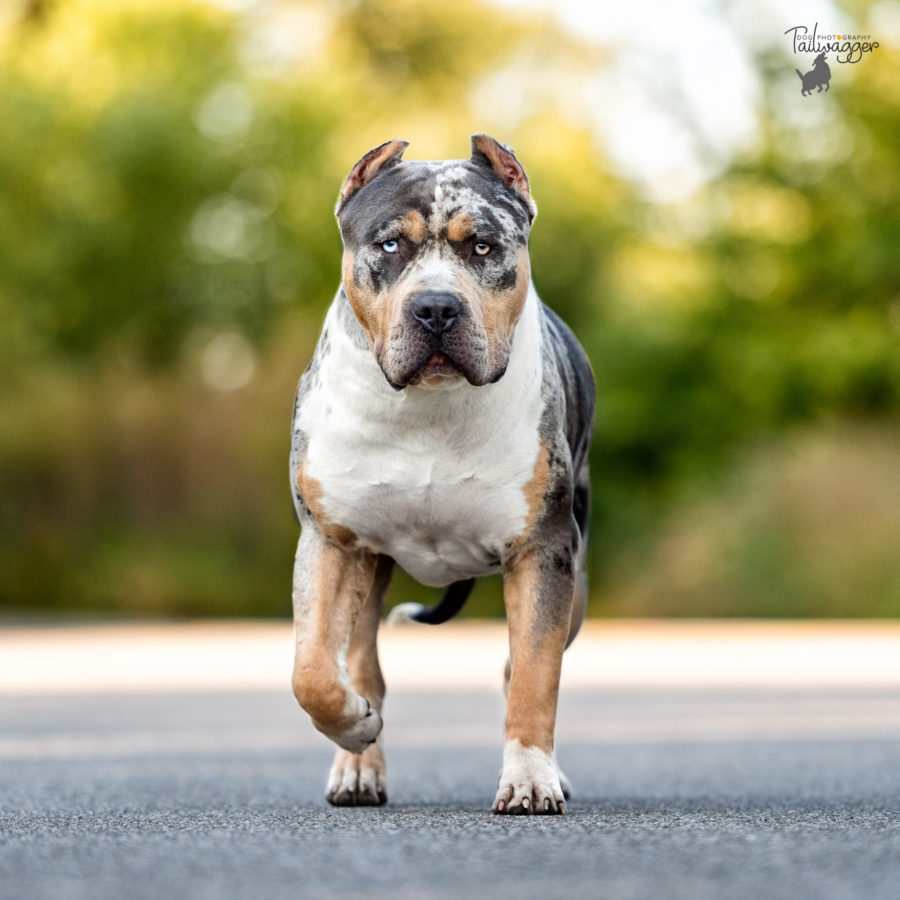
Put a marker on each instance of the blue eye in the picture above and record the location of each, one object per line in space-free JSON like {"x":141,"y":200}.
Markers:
{"x":390,"y":246}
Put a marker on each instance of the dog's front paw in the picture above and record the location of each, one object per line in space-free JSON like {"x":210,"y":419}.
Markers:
{"x":564,"y":782}
{"x":362,"y":732}
{"x":358,"y":779}
{"x":529,"y":783}
{"x":357,"y":728}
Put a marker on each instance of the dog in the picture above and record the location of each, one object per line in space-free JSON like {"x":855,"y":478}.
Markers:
{"x":817,"y":76}
{"x":443,"y":424}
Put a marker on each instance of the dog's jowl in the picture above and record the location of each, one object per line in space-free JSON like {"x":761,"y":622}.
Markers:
{"x":443,"y":424}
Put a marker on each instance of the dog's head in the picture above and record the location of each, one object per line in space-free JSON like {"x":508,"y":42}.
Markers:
{"x":436,"y":260}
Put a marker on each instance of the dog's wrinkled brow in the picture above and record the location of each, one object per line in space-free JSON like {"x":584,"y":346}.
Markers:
{"x":437,"y":192}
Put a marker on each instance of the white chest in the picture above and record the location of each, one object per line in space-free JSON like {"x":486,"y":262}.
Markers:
{"x":433,"y":477}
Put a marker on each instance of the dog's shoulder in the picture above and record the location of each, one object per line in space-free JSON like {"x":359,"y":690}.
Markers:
{"x":569,"y":380}
{"x":341,"y":332}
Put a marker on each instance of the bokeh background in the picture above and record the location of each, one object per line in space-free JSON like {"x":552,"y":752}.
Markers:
{"x":727,"y":250}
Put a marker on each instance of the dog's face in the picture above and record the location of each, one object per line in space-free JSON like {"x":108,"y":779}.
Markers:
{"x":436,"y":260}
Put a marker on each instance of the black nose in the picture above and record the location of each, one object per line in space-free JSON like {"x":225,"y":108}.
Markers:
{"x":436,"y":310}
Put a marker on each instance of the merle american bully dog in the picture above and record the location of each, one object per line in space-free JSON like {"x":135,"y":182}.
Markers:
{"x":443,"y":424}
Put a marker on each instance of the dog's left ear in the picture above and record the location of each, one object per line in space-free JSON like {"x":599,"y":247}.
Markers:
{"x":388,"y":154}
{"x":494,"y":155}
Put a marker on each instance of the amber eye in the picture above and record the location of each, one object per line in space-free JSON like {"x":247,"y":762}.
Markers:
{"x":482,"y":249}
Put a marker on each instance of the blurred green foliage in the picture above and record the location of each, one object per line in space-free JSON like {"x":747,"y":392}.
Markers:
{"x":167,"y":250}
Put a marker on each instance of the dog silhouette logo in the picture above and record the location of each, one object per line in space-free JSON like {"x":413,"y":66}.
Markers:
{"x":818,"y":76}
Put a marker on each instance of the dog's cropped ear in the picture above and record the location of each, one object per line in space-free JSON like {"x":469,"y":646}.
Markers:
{"x":493,"y":155}
{"x":388,"y":154}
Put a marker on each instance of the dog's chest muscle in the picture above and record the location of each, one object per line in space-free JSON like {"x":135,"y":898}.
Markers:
{"x":436,"y":480}
{"x":441,"y":513}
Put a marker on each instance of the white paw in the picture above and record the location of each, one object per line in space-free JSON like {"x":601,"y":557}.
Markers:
{"x":358,"y":779}
{"x":529,"y":783}
{"x":564,"y":782}
{"x":364,"y":726}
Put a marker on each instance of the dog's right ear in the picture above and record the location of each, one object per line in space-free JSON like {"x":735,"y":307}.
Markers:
{"x":388,"y":154}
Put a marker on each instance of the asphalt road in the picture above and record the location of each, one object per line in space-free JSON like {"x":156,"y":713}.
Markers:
{"x":679,"y":793}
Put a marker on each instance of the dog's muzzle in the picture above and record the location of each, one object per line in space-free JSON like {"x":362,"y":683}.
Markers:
{"x":439,"y":338}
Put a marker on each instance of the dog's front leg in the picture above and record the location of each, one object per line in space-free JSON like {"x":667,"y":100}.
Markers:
{"x":360,"y":780}
{"x":538,"y":591}
{"x":331,"y":584}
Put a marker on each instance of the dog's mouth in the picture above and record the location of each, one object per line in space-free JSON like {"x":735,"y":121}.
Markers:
{"x":438,"y":365}
{"x":434,"y":369}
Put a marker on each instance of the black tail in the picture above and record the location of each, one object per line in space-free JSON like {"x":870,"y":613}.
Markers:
{"x":449,"y":605}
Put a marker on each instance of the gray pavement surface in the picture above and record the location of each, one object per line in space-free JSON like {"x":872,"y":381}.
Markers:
{"x":687,"y":793}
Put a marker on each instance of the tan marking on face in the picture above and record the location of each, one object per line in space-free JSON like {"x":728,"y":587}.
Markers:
{"x":311,"y":492}
{"x":375,"y":312}
{"x":534,"y":677}
{"x":502,"y":313}
{"x":412,"y":226}
{"x":460,"y":227}
{"x":498,"y":313}
{"x":361,"y":300}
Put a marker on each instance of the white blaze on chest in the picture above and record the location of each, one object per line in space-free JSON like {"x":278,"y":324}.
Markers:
{"x":434,"y":477}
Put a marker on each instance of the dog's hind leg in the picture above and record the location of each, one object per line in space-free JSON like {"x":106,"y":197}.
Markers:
{"x":360,"y":779}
